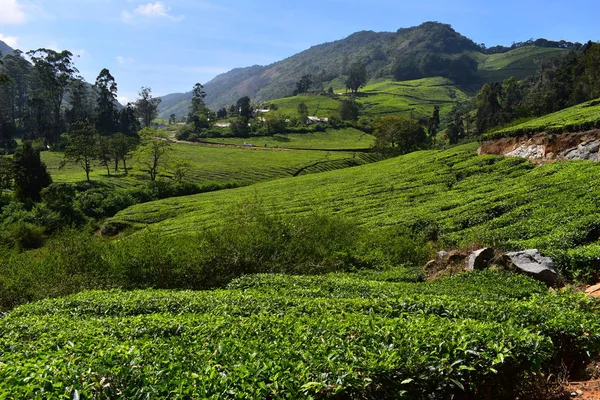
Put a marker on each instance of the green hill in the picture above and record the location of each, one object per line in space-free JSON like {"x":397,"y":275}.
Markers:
{"x":452,"y":195}
{"x":579,"y":118}
{"x":416,"y":98}
{"x":428,"y":50}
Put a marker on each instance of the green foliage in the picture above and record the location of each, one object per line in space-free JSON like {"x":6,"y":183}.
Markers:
{"x":146,"y":107}
{"x":294,"y":337}
{"x":30,"y":174}
{"x":579,"y":118}
{"x":399,"y":135}
{"x":452,"y":195}
{"x":357,"y":76}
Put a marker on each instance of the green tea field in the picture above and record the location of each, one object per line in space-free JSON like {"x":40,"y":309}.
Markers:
{"x":453,"y":196}
{"x":416,"y":98}
{"x":277,"y":336}
{"x":579,"y":118}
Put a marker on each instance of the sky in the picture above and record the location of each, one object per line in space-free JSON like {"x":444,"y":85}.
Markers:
{"x":169,"y":45}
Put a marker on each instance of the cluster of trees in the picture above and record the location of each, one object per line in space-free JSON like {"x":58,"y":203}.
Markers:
{"x":560,"y":82}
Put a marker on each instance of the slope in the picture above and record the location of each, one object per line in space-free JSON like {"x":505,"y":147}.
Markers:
{"x":5,"y":49}
{"x":453,"y":196}
{"x":427,"y":50}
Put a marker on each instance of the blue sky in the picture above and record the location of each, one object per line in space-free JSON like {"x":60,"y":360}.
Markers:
{"x":171,"y":44}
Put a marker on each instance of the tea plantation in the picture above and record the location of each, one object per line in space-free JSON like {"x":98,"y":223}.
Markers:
{"x":280,"y":336}
{"x":579,"y":118}
{"x":450,"y":196}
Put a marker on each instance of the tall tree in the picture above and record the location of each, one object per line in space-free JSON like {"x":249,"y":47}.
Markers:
{"x":357,"y":76}
{"x":244,"y":108}
{"x":147,"y":106}
{"x":433,"y":125}
{"x":30,"y":174}
{"x":53,"y":72}
{"x":106,"y":98}
{"x":489,"y":110}
{"x":80,"y":110}
{"x":83,"y":149}
{"x":129,"y":124}
{"x":197,"y":105}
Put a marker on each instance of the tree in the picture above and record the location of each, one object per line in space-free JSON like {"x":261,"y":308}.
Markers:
{"x":172,"y":119}
{"x":129,"y":124}
{"x":399,"y":135}
{"x":304,"y":84}
{"x":121,"y":147}
{"x":147,"y":107}
{"x":83,"y":149}
{"x":302,"y":113}
{"x":349,"y":110}
{"x":80,"y":100}
{"x":357,"y":76}
{"x":6,"y":173}
{"x":53,"y":72}
{"x":222,"y":113}
{"x":489,"y":111}
{"x":455,"y":129}
{"x":433,"y":125}
{"x":107,"y":114}
{"x":244,"y":107}
{"x":30,"y":174}
{"x":197,"y":105}
{"x":153,"y":151}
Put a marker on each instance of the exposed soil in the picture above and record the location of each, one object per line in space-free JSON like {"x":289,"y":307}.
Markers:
{"x":552,"y":145}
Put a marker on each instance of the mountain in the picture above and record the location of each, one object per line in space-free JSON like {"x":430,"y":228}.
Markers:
{"x":5,"y":49}
{"x":428,"y":50}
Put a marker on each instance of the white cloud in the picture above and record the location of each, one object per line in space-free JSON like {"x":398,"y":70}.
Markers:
{"x":123,"y":99}
{"x":12,"y":12}
{"x":12,"y":41}
{"x":124,"y":60}
{"x":150,"y":10}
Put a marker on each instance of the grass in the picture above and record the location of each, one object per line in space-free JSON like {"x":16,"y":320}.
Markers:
{"x":453,"y":196}
{"x":277,"y":336}
{"x":224,"y":164}
{"x":519,"y":62}
{"x":410,"y":98}
{"x":332,"y":139}
{"x":579,"y":118}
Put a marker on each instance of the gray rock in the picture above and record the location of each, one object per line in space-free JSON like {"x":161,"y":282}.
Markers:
{"x":480,"y":259}
{"x":441,"y":255}
{"x":532,"y":263}
{"x":528,"y":151}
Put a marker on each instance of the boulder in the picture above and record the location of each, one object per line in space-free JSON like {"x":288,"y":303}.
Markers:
{"x":441,"y":255}
{"x":456,"y":257}
{"x":532,"y":263}
{"x":480,"y":259}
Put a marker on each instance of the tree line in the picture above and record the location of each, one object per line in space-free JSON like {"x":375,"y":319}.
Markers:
{"x":560,"y":82}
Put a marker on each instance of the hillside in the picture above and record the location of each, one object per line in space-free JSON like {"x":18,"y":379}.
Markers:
{"x":431,"y":49}
{"x":416,"y":98}
{"x":453,"y":196}
{"x":579,"y":118}
{"x":4,"y":48}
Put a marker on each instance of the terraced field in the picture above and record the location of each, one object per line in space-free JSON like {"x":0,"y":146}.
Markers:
{"x":224,"y":164}
{"x":278,"y":336}
{"x":519,"y":62}
{"x":579,"y":118}
{"x":416,"y":98}
{"x":333,"y":139}
{"x":453,"y":196}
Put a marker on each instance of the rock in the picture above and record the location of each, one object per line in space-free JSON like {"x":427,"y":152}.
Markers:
{"x":532,"y":263}
{"x":593,"y":290}
{"x":431,"y":264}
{"x":480,"y":259}
{"x":441,"y":255}
{"x":528,"y":151}
{"x":456,"y":256}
